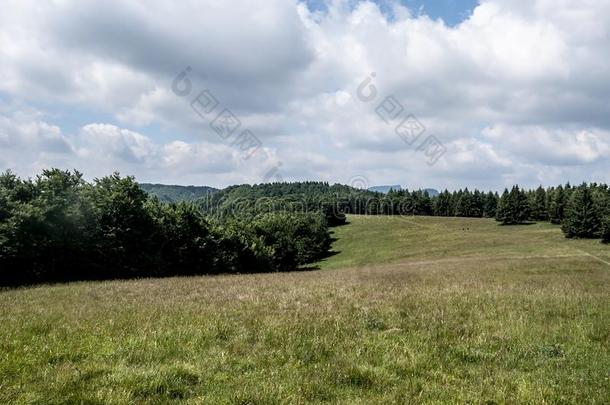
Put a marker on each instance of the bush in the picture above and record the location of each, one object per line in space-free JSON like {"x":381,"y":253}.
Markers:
{"x":294,"y":239}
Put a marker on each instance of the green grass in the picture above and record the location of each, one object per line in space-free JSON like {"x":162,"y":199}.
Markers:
{"x":410,"y":310}
{"x":392,"y":239}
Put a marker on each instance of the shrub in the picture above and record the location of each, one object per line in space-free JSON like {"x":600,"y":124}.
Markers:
{"x":295,"y":239}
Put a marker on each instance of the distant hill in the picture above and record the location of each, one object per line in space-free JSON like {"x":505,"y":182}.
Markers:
{"x":174,"y":193}
{"x":171,"y":193}
{"x":385,"y":189}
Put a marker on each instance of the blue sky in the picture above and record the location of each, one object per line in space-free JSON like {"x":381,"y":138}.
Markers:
{"x":508,"y":91}
{"x":452,"y":12}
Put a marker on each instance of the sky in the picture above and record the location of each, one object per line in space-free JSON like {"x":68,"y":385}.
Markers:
{"x":439,"y":94}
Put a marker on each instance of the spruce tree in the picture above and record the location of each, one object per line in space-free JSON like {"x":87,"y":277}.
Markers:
{"x":478,"y":204}
{"x":463,"y":207}
{"x":550,"y":192}
{"x":502,"y":210}
{"x":490,"y":205}
{"x":582,"y":216}
{"x":606,"y":230}
{"x":425,"y":203}
{"x":514,"y":207}
{"x":557,"y":205}
{"x":520,"y":207}
{"x":442,"y":205}
{"x":539,"y":207}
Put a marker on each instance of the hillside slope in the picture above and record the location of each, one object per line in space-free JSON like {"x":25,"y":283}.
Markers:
{"x":173,"y":193}
{"x":408,"y":310}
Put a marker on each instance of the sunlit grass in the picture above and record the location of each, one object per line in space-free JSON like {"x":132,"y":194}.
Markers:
{"x":409,"y":310}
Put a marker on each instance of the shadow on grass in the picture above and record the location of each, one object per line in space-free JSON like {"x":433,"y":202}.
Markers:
{"x":338,"y":225}
{"x":322,"y":259}
{"x":11,"y":285}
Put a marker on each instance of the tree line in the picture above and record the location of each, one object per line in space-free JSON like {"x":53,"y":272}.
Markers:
{"x":59,"y":227}
{"x":582,"y":211}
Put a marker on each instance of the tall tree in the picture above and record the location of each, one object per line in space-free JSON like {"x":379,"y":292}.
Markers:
{"x":557,"y":205}
{"x":582,"y":215}
{"x":521,"y":207}
{"x":478,"y":204}
{"x":606,"y":230}
{"x":442,"y":205}
{"x":514,"y":207}
{"x":539,"y":207}
{"x":463,"y":207}
{"x":490,"y":205}
{"x":503,"y":209}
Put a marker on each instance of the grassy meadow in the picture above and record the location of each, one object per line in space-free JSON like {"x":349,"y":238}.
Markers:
{"x":407,"y":310}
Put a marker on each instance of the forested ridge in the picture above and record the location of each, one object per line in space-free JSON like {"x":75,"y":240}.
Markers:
{"x":175,"y":193}
{"x":60,"y":227}
{"x":582,"y":211}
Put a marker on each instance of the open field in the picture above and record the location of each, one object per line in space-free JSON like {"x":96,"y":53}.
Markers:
{"x":408,"y":310}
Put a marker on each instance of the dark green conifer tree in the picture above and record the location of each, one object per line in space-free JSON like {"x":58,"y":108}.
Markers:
{"x":502,"y":211}
{"x":557,"y":205}
{"x":539,"y":207}
{"x":490,"y":205}
{"x":463,"y":207}
{"x":606,"y":230}
{"x":582,"y":216}
{"x":442,"y":205}
{"x":514,"y":207}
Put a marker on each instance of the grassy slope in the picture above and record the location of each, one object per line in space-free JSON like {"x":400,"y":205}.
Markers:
{"x":392,"y":239}
{"x":424,"y":309}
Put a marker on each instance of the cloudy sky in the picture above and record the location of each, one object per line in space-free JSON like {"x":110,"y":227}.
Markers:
{"x":439,"y":94}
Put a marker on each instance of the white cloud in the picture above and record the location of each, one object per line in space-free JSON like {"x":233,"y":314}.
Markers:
{"x":517,"y":92}
{"x":553,"y":147}
{"x":108,"y":141}
{"x":29,"y":143}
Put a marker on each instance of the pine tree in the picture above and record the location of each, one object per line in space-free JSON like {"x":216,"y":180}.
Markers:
{"x":514,"y":207}
{"x":478,"y":204}
{"x":606,"y":230}
{"x":582,"y":216}
{"x":490,"y":205}
{"x":557,"y":205}
{"x":502,"y":210}
{"x":550,"y":192}
{"x":539,"y":207}
{"x":520,"y":207}
{"x":463,"y":207}
{"x":425,"y":204}
{"x":442,"y":205}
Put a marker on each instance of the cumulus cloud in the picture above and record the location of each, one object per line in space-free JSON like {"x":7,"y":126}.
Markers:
{"x":517,"y":92}
{"x":553,"y":147}
{"x":133,"y":153}
{"x":28,"y":143}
